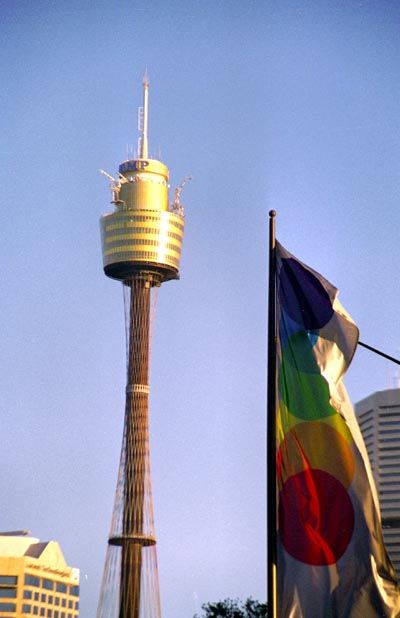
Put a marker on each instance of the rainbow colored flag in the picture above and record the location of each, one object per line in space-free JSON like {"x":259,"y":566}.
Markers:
{"x":331,"y":559}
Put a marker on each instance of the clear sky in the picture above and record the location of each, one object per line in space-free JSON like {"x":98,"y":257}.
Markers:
{"x":285,"y":104}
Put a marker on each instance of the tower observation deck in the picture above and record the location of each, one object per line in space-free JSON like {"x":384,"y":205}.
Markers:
{"x":141,"y":245}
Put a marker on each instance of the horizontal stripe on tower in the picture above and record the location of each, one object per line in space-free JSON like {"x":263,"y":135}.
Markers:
{"x":131,"y":256}
{"x":145,"y":242}
{"x":133,"y":220}
{"x":144,"y":231}
{"x":140,"y":248}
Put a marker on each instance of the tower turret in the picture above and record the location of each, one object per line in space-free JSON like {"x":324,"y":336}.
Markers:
{"x":144,"y":231}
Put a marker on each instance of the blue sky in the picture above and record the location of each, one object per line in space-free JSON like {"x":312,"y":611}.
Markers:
{"x":288,"y":105}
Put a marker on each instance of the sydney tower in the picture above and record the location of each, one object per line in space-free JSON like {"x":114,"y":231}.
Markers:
{"x":141,"y":244}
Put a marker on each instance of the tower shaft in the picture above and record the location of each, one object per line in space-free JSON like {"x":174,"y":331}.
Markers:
{"x":137,"y":501}
{"x":130,"y":586}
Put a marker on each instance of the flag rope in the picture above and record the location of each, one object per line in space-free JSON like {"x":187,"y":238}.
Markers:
{"x":379,"y":352}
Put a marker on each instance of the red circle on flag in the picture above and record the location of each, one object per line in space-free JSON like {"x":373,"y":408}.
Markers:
{"x":316,"y":517}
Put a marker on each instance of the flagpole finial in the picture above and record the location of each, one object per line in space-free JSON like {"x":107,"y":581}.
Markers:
{"x":272,"y":213}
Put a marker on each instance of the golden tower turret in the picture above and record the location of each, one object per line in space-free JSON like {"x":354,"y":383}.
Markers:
{"x":144,"y":231}
{"x":141,"y":244}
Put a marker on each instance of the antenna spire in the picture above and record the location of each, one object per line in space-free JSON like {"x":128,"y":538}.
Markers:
{"x":143,"y":146}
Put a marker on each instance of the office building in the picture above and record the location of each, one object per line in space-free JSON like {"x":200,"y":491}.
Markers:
{"x":35,"y":579}
{"x":379,"y":419}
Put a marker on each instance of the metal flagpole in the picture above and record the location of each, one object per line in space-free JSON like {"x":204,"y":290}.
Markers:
{"x":271,"y":422}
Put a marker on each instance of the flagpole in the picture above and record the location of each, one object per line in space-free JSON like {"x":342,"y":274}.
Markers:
{"x":271,"y":423}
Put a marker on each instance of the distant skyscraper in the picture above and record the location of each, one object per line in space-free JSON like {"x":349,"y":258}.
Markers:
{"x":35,"y":580}
{"x":379,"y":420}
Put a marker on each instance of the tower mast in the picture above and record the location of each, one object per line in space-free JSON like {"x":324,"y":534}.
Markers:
{"x":141,"y":242}
{"x":143,"y":149}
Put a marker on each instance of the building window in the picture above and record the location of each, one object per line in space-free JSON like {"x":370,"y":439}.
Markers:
{"x":60,"y":587}
{"x":31,"y":580}
{"x":42,"y":611}
{"x":8,"y":607}
{"x":26,"y":608}
{"x":75,"y":591}
{"x":48,"y":584}
{"x":50,"y":599}
{"x":8,"y":580}
{"x":49,"y":613}
{"x":35,"y":610}
{"x":36,"y":596}
{"x":27,"y":594}
{"x":10,"y":593}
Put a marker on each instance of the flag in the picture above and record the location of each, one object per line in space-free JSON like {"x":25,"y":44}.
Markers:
{"x":331,"y":559}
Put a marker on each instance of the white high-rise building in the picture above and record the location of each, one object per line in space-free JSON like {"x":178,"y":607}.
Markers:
{"x":379,"y":419}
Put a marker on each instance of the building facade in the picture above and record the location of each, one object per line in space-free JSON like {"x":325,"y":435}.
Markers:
{"x":379,"y":419}
{"x":35,"y":579}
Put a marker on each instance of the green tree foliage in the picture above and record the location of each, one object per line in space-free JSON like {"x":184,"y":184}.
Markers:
{"x":234,"y":608}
